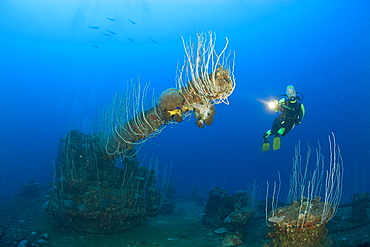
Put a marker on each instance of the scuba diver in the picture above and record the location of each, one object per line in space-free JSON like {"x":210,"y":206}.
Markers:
{"x":291,"y":114}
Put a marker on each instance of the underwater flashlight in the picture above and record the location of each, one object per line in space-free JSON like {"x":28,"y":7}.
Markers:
{"x":273,"y":104}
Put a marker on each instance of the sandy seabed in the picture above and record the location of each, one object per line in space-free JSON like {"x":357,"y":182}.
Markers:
{"x":24,"y":219}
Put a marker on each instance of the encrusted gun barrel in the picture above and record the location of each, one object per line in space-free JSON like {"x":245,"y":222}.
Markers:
{"x":205,"y":79}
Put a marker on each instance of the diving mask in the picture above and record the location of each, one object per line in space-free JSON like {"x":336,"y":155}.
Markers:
{"x":291,"y":93}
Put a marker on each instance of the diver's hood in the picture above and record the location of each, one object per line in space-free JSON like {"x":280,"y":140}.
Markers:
{"x":291,"y":93}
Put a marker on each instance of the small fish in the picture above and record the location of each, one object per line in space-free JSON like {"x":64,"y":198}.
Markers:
{"x":111,"y":32}
{"x":106,"y":34}
{"x":132,"y":21}
{"x":95,"y":46}
{"x":153,"y":40}
{"x":130,"y":39}
{"x":111,"y":19}
{"x":93,"y":27}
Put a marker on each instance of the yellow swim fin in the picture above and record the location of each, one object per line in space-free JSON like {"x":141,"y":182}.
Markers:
{"x":265,"y":145}
{"x":276,"y":143}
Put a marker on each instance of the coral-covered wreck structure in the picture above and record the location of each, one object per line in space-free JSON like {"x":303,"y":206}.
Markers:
{"x":99,"y":186}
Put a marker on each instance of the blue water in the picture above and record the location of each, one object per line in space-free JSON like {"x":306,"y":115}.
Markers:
{"x":55,"y":73}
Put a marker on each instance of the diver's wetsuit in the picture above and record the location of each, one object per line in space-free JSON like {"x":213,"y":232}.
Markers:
{"x":290,"y":114}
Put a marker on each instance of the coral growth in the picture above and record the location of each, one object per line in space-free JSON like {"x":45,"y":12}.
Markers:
{"x":233,"y":212}
{"x":204,"y":114}
{"x":232,"y":240}
{"x":91,"y":194}
{"x":300,"y":224}
{"x":170,"y":100}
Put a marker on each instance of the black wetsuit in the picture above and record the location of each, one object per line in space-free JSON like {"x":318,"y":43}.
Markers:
{"x":290,"y":115}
